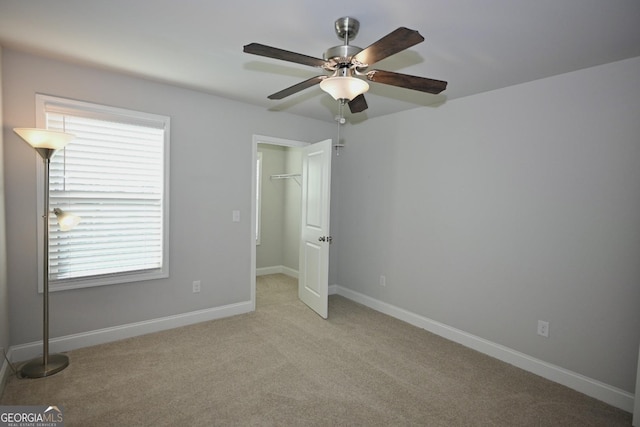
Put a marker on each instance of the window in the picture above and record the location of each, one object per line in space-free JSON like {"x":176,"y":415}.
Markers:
{"x":115,"y":175}
{"x":258,"y":195}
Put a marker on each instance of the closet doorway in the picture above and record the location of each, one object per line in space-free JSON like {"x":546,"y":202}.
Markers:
{"x":276,"y":207}
{"x":299,"y":217}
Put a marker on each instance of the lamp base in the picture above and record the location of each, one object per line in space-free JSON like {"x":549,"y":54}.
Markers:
{"x":37,"y":369}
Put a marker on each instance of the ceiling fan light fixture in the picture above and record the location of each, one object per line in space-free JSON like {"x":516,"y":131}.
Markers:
{"x":344,"y":87}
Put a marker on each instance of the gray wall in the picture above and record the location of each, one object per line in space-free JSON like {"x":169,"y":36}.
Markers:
{"x":280,"y":236}
{"x":269,"y":251}
{"x":493,"y":211}
{"x":292,"y":210}
{"x":4,"y":293}
{"x":211,"y":143}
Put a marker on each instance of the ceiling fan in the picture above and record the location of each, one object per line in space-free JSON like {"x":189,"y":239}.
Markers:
{"x":346,"y":61}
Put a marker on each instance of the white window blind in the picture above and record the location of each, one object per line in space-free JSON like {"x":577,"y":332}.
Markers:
{"x":114,"y":175}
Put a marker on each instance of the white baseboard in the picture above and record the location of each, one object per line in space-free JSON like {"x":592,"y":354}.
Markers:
{"x":277,"y":269}
{"x":596,"y":389}
{"x":101,"y":336}
{"x":593,"y":388}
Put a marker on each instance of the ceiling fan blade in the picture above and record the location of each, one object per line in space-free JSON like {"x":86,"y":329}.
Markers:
{"x":285,"y":55}
{"x":358,"y":104}
{"x":392,"y":43}
{"x":297,"y":87}
{"x":422,"y":84}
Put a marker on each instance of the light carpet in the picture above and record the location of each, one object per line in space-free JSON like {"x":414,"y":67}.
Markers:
{"x":283,"y":365}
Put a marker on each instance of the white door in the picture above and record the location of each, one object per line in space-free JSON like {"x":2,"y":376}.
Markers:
{"x":313,"y":271}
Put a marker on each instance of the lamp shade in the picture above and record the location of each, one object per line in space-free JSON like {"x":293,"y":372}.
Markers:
{"x":67,"y":221}
{"x":344,"y":87}
{"x":43,"y":138}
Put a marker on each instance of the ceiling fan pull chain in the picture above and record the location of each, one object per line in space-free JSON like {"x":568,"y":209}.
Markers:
{"x":340,"y":120}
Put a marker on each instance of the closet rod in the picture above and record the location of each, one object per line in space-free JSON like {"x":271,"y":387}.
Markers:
{"x":285,"y":175}
{"x":295,"y":177}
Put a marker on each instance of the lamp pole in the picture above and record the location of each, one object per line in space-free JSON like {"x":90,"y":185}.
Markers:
{"x":46,"y":143}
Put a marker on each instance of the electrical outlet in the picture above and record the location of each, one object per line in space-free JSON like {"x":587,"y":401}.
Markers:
{"x":196,"y":286}
{"x":383,"y":281}
{"x":543,"y":328}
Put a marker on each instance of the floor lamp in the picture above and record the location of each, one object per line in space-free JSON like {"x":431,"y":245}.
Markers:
{"x":46,"y":143}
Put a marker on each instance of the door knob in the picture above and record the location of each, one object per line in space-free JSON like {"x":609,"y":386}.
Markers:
{"x":325,"y":239}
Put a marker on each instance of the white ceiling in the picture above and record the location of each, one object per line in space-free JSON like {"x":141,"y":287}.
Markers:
{"x":475,"y":45}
